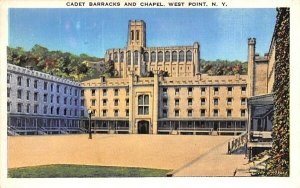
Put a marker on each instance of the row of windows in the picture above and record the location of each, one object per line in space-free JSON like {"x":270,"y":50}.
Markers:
{"x":202,"y":101}
{"x":45,"y":85}
{"x":105,"y":112}
{"x":104,"y":92}
{"x":203,"y":90}
{"x":151,"y":56}
{"x":203,"y":113}
{"x":53,"y":110}
{"x":104,"y":102}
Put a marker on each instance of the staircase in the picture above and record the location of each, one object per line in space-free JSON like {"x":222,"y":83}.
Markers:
{"x":238,"y":144}
{"x":11,"y":131}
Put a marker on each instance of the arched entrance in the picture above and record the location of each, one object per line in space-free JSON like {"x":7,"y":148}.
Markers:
{"x":143,"y":127}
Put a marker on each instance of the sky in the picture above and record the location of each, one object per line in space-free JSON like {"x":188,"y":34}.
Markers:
{"x":222,"y":33}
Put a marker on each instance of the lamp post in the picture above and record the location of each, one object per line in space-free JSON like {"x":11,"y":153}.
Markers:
{"x":90,"y":125}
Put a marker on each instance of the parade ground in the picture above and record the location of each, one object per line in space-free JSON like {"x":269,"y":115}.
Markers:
{"x":183,"y":155}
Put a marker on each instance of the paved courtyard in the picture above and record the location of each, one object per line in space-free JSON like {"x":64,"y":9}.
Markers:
{"x":150,"y":151}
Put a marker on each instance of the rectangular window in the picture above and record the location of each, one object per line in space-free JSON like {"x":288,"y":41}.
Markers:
{"x":127,"y":102}
{"x":104,"y":102}
{"x":19,"y":94}
{"x":190,"y":91}
{"x":35,"y":109}
{"x":45,"y":85}
{"x":202,"y":101}
{"x":57,"y":88}
{"x":70,"y":91}
{"x":229,"y":90}
{"x":93,"y":92}
{"x":57,"y":99}
{"x":51,"y":109}
{"x":243,"y":101}
{"x":93,"y":112}
{"x":104,"y":113}
{"x":35,"y":96}
{"x":8,"y":106}
{"x":35,"y":84}
{"x":28,"y":82}
{"x":243,"y":113}
{"x":116,"y":102}
{"x":229,"y":113}
{"x":76,"y":112}
{"x":19,"y":107}
{"x":45,"y":109}
{"x":216,"y":113}
{"x":176,"y":113}
{"x":19,"y":80}
{"x":202,"y":90}
{"x":51,"y":87}
{"x":45,"y":97}
{"x":82,"y":102}
{"x":93,"y":102}
{"x":116,"y":92}
{"x":82,"y":93}
{"x":8,"y":92}
{"x":76,"y":102}
{"x":27,"y":95}
{"x":190,"y":113}
{"x":143,"y":104}
{"x":176,"y":91}
{"x":202,"y":112}
{"x":65,"y":90}
{"x":70,"y":101}
{"x":165,"y":102}
{"x":176,"y":102}
{"x":216,"y":101}
{"x":243,"y":90}
{"x":65,"y":100}
{"x":51,"y":98}
{"x":76,"y":92}
{"x":116,"y":113}
{"x":127,"y":112}
{"x":216,"y":91}
{"x":127,"y":91}
{"x":28,"y":108}
{"x":190,"y":102}
{"x":229,"y":101}
{"x":165,"y":114}
{"x":165,"y":91}
{"x":8,"y":78}
{"x":104,"y":92}
{"x":82,"y":113}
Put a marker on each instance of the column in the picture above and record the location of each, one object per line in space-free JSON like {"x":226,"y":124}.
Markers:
{"x":155,"y":103}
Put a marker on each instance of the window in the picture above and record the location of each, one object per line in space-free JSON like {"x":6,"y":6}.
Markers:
{"x":165,"y":102}
{"x":19,"y":107}
{"x":104,"y":92}
{"x":174,"y":56}
{"x":229,"y":101}
{"x":153,"y":56}
{"x":76,"y":112}
{"x":132,"y":35}
{"x":136,"y":57}
{"x":82,"y":113}
{"x":127,"y":91}
{"x":216,"y":101}
{"x":65,"y":90}
{"x":160,"y":56}
{"x":229,"y":113}
{"x":19,"y":80}
{"x":129,"y":58}
{"x":93,"y":92}
{"x":127,"y":102}
{"x":35,"y":109}
{"x":202,"y":90}
{"x":28,"y":108}
{"x":116,"y":103}
{"x":70,"y":91}
{"x":121,"y":56}
{"x":137,"y":35}
{"x":51,"y":87}
{"x":65,"y":112}
{"x":202,"y":112}
{"x":65,"y":100}
{"x":243,"y":113}
{"x":202,"y":101}
{"x":8,"y":78}
{"x":176,"y":91}
{"x":127,"y":112}
{"x":189,"y":56}
{"x":82,"y":93}
{"x":176,"y":102}
{"x":70,"y":112}
{"x":116,"y":113}
{"x":57,"y":99}
{"x":190,"y":91}
{"x":28,"y":82}
{"x":35,"y":84}
{"x":243,"y":101}
{"x":70,"y":101}
{"x":229,"y":90}
{"x":216,"y":91}
{"x":51,"y":98}
{"x":8,"y":106}
{"x":176,"y":113}
{"x":165,"y":91}
{"x":165,"y":114}
{"x":8,"y":93}
{"x":243,"y":90}
{"x":19,"y":94}
{"x":104,"y":102}
{"x":45,"y":109}
{"x":76,"y":102}
{"x":116,"y":92}
{"x":45,"y":85}
{"x":190,"y":102}
{"x":181,"y":56}
{"x":104,"y":113}
{"x":93,"y":102}
{"x":146,"y":57}
{"x":143,"y":104}
{"x":167,"y":56}
{"x":115,"y":57}
{"x":51,"y":109}
{"x":57,"y":88}
{"x":190,"y":113}
{"x":216,"y":113}
{"x":45,"y":97}
{"x":82,"y":102}
{"x":35,"y":96}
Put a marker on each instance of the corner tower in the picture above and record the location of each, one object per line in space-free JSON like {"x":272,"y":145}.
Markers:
{"x":136,"y":34}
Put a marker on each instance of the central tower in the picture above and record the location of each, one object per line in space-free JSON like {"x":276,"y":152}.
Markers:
{"x":136,"y":34}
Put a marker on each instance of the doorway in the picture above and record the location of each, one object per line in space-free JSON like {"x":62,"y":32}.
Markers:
{"x":143,"y":127}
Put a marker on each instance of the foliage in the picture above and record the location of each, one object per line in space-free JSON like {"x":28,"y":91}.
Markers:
{"x":62,"y":64}
{"x":223,"y":67}
{"x":63,"y":170}
{"x":278,"y":164}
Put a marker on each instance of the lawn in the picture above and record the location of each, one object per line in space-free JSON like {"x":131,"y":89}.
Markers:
{"x":64,"y":171}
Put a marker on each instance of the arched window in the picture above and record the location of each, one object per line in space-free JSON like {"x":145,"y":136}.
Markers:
{"x":181,"y":56}
{"x":129,"y":57}
{"x":153,"y":56}
{"x":136,"y":57}
{"x":167,"y":56}
{"x":132,"y":35}
{"x":146,"y":57}
{"x":174,"y":56}
{"x":121,"y":56}
{"x":160,"y":56}
{"x":137,"y":35}
{"x":189,"y":55}
{"x":115,"y":57}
